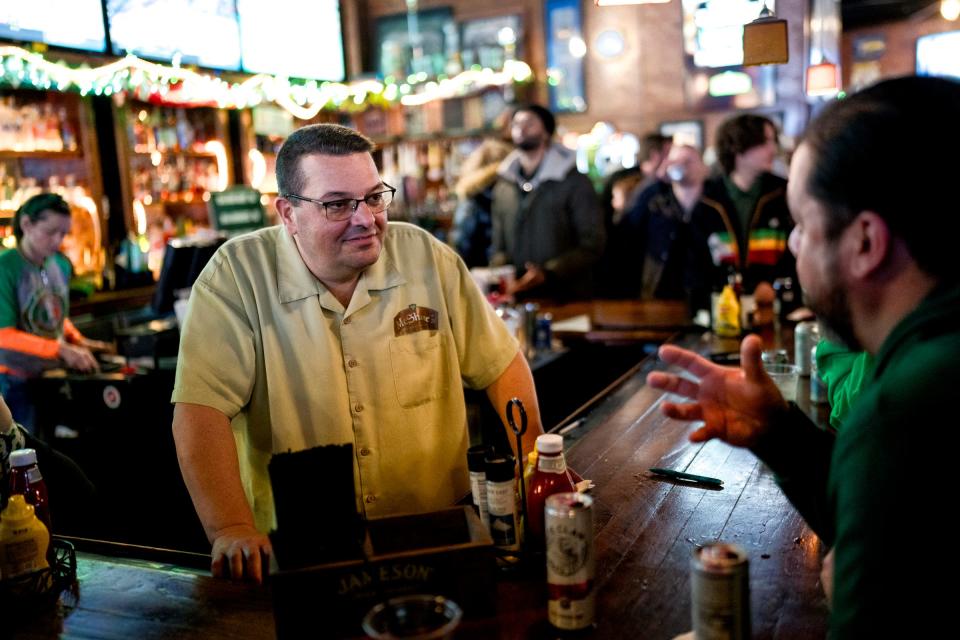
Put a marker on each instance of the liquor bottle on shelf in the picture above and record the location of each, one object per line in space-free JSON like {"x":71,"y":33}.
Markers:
{"x":68,"y":136}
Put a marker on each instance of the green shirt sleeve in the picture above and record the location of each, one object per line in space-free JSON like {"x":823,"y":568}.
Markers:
{"x":844,"y":372}
{"x":10,"y":268}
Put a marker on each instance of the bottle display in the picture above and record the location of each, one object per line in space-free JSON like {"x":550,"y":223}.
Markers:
{"x":40,"y":151}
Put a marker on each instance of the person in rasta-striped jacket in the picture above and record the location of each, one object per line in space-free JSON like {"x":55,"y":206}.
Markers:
{"x":750,"y":232}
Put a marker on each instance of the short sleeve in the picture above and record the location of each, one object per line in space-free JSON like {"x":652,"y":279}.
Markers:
{"x":484,"y":345}
{"x":216,"y":363}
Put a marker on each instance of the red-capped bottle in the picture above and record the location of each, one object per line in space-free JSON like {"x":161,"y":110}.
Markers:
{"x":550,"y":477}
{"x":25,"y":479}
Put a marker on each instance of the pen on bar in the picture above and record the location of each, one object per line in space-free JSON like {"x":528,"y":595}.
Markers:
{"x":570,"y":427}
{"x":680,"y":475}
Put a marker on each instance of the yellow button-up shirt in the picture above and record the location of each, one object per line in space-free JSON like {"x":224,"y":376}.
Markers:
{"x":265,"y":343}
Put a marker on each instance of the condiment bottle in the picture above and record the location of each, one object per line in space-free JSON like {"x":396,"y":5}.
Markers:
{"x":726,"y":314}
{"x":477,"y":466}
{"x":23,"y":539}
{"x":25,"y":479}
{"x":502,"y":502}
{"x":529,"y":470}
{"x":550,"y":477}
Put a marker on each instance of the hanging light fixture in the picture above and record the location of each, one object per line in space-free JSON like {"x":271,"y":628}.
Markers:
{"x":765,"y":40}
{"x":950,"y":9}
{"x":823,"y":78}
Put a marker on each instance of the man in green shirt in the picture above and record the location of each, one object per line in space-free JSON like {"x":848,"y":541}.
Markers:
{"x":880,"y":281}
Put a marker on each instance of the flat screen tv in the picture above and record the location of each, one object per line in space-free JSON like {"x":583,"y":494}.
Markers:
{"x":77,"y":24}
{"x":203,"y":32}
{"x":292,"y":38}
{"x":938,"y":54}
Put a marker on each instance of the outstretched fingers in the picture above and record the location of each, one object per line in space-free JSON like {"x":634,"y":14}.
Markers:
{"x":697,"y":365}
{"x":673,"y":383}
{"x":688,"y":411}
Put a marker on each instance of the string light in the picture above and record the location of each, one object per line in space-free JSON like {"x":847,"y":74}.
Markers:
{"x":177,"y":85}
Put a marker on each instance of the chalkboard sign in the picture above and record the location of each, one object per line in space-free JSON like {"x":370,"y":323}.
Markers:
{"x":236,"y":210}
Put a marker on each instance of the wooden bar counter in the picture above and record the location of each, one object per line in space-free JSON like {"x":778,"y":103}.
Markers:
{"x":646,"y":532}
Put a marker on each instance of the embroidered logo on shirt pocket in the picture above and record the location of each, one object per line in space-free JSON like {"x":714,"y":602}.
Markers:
{"x":420,"y":369}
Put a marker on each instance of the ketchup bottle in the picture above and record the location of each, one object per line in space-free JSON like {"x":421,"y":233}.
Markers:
{"x":550,"y":477}
{"x":25,"y":479}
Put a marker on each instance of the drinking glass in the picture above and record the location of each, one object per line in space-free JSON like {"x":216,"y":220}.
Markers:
{"x":786,"y":377}
{"x":417,"y":617}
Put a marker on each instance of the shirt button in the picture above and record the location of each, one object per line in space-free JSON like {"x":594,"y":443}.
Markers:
{"x":364,"y":451}
{"x":358,"y":407}
{"x":352,"y":363}
{"x":371,"y":499}
{"x":347,"y":320}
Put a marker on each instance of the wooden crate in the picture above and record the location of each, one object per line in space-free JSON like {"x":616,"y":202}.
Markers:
{"x":446,"y":553}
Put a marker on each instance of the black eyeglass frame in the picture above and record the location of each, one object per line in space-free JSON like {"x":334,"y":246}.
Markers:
{"x":356,"y":202}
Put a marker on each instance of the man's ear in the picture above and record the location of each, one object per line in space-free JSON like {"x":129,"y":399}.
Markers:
{"x":869,"y":241}
{"x":285,"y":209}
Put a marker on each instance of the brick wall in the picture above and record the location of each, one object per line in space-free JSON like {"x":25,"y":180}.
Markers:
{"x":641,"y":87}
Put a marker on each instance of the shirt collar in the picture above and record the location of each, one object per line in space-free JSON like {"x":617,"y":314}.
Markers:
{"x":296,"y":282}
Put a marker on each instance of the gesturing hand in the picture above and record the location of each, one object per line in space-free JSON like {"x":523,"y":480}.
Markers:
{"x":533,"y":276}
{"x":736,"y":404}
{"x":239,"y":553}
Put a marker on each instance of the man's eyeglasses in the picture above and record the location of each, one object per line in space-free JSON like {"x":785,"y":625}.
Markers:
{"x":343,"y":209}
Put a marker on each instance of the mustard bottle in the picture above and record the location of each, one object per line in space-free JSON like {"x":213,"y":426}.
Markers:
{"x":726,"y":314}
{"x":529,"y":470}
{"x":23,"y":539}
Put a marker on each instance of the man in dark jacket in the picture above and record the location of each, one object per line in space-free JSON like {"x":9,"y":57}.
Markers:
{"x":546,"y":218}
{"x":664,"y":238}
{"x":885,"y":281}
{"x":751,"y":202}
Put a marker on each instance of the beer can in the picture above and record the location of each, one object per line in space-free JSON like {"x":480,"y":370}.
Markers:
{"x":805,"y":337}
{"x":570,"y":561}
{"x":818,"y":388}
{"x":719,"y":581}
{"x":543,"y":336}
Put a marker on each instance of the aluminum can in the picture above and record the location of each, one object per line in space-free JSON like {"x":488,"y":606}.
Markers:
{"x":818,"y":389}
{"x":805,"y":337}
{"x":543,"y":336}
{"x":719,"y":580}
{"x":570,"y":561}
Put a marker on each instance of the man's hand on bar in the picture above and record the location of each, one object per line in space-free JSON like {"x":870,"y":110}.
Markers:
{"x":240,"y":553}
{"x":736,"y":404}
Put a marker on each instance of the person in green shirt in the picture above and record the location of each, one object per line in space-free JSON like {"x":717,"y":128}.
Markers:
{"x":35,"y":332}
{"x":883,"y":283}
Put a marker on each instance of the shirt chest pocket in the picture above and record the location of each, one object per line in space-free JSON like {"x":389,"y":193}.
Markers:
{"x":420,"y":368}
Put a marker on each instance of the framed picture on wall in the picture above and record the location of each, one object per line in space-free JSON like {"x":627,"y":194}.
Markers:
{"x":565,"y":51}
{"x":426,"y":45}
{"x":490,"y":41}
{"x":684,"y":132}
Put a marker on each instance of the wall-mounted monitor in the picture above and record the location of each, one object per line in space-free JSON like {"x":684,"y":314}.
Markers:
{"x":77,"y":24}
{"x":292,"y":38}
{"x":202,"y":32}
{"x":938,"y":54}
